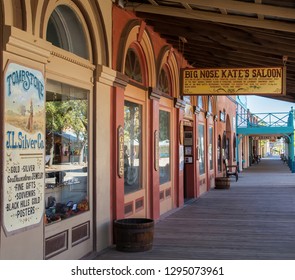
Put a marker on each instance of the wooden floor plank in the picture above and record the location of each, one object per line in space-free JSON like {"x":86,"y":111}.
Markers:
{"x":254,"y":219}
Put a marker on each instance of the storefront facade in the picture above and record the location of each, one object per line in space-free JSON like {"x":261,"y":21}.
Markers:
{"x":170,"y":141}
{"x":95,"y":129}
{"x":145,"y":108}
{"x":60,"y":51}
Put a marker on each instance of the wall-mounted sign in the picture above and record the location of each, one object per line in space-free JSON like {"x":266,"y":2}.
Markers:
{"x":156,"y":150}
{"x":121,"y":152}
{"x":188,"y":138}
{"x":188,"y":112}
{"x":181,"y":132}
{"x":271,"y":138}
{"x":188,"y":159}
{"x":188,"y":150}
{"x":23,"y":149}
{"x":234,"y":81}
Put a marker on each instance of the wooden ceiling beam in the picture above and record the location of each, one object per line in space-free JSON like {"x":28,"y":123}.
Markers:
{"x":213,"y":17}
{"x":200,"y":28}
{"x":234,"y":42}
{"x":242,"y":32}
{"x":270,"y":48}
{"x":243,"y":7}
{"x":242,"y":57}
{"x":223,"y":11}
{"x":280,"y":40}
{"x":187,"y":6}
{"x":153,"y":2}
{"x":170,"y":28}
{"x":260,"y":16}
{"x":224,"y":61}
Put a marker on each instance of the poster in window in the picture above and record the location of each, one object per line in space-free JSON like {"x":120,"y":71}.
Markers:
{"x":188,"y":160}
{"x":188,"y":150}
{"x":23,"y":149}
{"x":188,"y":138}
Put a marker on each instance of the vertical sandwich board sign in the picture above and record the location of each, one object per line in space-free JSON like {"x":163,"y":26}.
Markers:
{"x":23,"y":148}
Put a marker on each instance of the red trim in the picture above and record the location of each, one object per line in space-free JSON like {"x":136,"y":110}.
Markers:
{"x":153,"y":174}
{"x":141,"y":30}
{"x":118,"y":183}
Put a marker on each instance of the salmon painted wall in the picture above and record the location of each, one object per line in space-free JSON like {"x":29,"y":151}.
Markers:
{"x":120,"y":19}
{"x":230,"y":110}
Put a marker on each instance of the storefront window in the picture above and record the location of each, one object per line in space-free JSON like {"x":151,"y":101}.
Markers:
{"x":200,"y":102}
{"x":164,"y":147}
{"x":201,"y":149}
{"x":209,"y":105}
{"x":210,"y":148}
{"x":66,"y":160}
{"x":132,"y":147}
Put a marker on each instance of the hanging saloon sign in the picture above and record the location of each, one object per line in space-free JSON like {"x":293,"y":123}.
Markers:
{"x":234,"y":81}
{"x":23,"y":149}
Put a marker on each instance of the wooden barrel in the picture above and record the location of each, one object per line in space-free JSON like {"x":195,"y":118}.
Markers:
{"x":222,"y":183}
{"x":134,"y":234}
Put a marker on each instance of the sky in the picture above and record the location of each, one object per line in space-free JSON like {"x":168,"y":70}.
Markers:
{"x":258,"y":104}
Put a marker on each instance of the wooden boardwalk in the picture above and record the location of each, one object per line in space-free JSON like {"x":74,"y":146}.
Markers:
{"x":254,"y":219}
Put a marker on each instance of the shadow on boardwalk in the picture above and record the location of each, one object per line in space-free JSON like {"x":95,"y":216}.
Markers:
{"x":254,"y":219}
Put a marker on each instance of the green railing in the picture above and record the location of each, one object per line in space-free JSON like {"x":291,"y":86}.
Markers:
{"x":281,"y":119}
{"x":280,"y":124}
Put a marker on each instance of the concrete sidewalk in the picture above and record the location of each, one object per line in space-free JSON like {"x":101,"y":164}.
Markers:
{"x":254,"y":219}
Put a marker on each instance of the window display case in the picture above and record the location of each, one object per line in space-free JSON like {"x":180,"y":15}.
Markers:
{"x":66,"y":166}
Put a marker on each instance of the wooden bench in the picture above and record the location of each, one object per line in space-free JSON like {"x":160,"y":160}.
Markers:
{"x":231,"y":170}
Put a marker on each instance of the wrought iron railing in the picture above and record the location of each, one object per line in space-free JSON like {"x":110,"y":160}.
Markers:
{"x":249,"y":120}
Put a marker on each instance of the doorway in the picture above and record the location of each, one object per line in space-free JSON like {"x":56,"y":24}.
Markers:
{"x":189,"y":166}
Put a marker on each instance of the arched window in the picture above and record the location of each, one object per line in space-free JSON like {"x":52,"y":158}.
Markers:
{"x":65,"y":31}
{"x":132,"y":66}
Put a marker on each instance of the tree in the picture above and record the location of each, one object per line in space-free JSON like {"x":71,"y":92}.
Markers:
{"x":63,"y":116}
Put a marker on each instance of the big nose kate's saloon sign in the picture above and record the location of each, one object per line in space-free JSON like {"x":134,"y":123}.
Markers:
{"x":233,"y":81}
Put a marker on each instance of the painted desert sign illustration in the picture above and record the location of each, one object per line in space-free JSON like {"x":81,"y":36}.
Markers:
{"x":24,"y":144}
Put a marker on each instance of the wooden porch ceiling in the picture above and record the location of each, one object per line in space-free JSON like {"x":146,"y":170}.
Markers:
{"x":226,"y":33}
